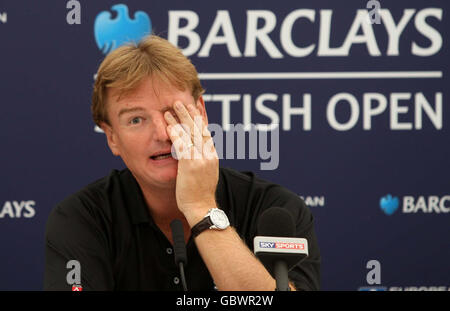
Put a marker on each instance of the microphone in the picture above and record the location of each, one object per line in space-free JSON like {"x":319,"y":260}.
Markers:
{"x":276,"y":247}
{"x":179,"y":248}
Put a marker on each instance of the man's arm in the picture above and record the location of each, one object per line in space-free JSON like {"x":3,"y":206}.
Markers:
{"x":230,"y":262}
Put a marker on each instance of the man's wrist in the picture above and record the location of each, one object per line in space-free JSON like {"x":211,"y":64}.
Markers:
{"x":194,"y":216}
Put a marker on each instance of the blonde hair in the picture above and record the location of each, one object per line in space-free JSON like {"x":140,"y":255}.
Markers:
{"x":126,"y":66}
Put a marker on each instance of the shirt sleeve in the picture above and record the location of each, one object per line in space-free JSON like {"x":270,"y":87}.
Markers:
{"x":74,"y":233}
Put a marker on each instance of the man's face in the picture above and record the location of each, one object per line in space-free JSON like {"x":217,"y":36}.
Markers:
{"x":137,"y":131}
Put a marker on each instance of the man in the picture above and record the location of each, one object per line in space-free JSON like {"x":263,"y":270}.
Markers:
{"x":147,"y":99}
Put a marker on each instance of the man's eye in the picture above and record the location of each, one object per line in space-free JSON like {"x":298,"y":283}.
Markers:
{"x":136,"y":120}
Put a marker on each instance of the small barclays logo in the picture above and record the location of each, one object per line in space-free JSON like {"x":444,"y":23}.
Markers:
{"x":111,"y":33}
{"x":389,"y":204}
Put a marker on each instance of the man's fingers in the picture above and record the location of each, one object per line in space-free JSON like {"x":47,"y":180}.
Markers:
{"x":188,"y":119}
{"x":192,"y":130}
{"x":170,"y":118}
{"x":181,"y":142}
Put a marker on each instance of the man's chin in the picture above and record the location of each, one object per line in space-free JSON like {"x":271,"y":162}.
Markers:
{"x":159,"y":177}
{"x":164,"y":176}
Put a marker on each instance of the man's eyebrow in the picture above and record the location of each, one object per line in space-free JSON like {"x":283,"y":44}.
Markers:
{"x":134,"y":109}
{"x":128,"y":110}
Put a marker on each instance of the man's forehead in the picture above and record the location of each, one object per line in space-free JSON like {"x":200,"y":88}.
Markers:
{"x":144,"y":93}
{"x":143,"y":89}
{"x":146,"y":88}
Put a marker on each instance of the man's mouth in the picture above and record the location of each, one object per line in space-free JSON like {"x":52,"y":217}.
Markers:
{"x":161,"y":156}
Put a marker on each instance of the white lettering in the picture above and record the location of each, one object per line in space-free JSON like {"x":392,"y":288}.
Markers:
{"x":254,"y":34}
{"x":7,"y":210}
{"x":420,"y":204}
{"x":368,"y":111}
{"x":226,"y":100}
{"x":187,"y":31}
{"x":18,"y":209}
{"x":433,"y":204}
{"x":304,"y":111}
{"x":442,"y":206}
{"x":368,"y":36}
{"x":432,"y":34}
{"x":421,"y":104}
{"x":343,"y":110}
{"x":314,"y":201}
{"x":18,"y":206}
{"x":408,"y":204}
{"x":324,"y":36}
{"x":221,"y":22}
{"x":30,"y":211}
{"x":430,"y":204}
{"x":395,"y":31}
{"x":260,"y":26}
{"x":266,"y":111}
{"x":354,"y":111}
{"x":286,"y":33}
{"x":396,"y":110}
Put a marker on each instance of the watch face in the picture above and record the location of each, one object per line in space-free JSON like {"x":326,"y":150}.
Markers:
{"x":219,"y":219}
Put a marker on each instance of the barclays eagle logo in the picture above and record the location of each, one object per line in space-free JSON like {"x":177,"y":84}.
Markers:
{"x":112,"y":33}
{"x":389,"y":204}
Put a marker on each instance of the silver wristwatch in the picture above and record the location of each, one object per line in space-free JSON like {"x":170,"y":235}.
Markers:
{"x":214,"y":219}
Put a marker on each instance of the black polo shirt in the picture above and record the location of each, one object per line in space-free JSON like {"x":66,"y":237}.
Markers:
{"x":108,"y":229}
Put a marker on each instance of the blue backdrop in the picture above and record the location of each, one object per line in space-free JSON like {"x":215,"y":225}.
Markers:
{"x":360,"y":96}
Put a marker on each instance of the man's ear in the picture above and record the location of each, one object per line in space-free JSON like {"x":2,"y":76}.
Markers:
{"x":110,"y":138}
{"x":200,"y":104}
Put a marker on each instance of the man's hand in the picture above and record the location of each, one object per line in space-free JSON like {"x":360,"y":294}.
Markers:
{"x":198,"y":163}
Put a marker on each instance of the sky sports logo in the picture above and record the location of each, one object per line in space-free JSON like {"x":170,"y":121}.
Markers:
{"x":282,"y":245}
{"x":411,"y":205}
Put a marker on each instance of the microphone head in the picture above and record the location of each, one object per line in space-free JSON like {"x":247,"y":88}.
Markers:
{"x":276,"y":240}
{"x":179,"y":245}
{"x":277,"y":222}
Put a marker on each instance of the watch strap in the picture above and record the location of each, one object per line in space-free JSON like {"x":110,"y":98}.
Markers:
{"x":201,"y":226}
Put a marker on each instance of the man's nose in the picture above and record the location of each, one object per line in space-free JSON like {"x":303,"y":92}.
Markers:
{"x":160,"y":132}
